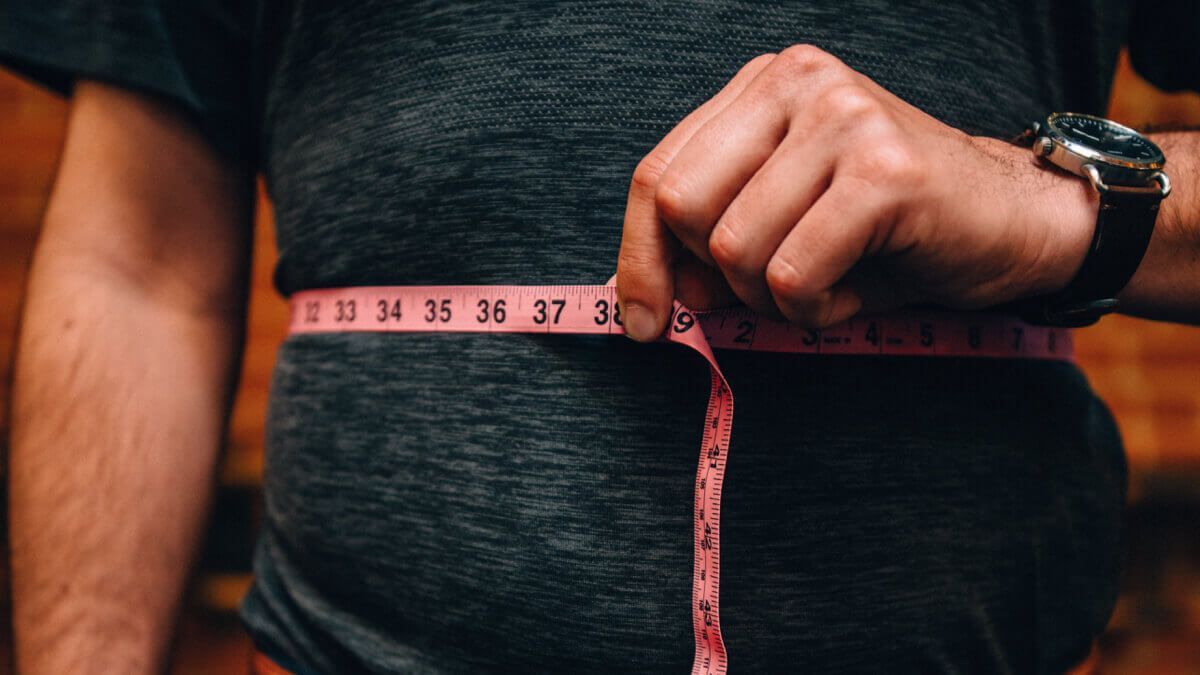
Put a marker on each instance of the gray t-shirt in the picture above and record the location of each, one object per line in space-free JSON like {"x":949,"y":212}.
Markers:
{"x":465,"y":503}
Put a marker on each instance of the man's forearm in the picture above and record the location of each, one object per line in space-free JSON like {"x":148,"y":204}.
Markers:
{"x":1167,"y":284}
{"x":125,"y":366}
{"x":118,"y":410}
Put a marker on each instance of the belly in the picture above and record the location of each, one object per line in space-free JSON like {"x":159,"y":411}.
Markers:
{"x":525,"y":502}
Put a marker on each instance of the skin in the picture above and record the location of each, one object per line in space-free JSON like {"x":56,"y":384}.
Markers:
{"x":806,"y":190}
{"x":126,"y":361}
{"x":801,"y":188}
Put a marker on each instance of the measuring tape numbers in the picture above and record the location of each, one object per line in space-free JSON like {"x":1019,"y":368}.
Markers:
{"x":592,"y":310}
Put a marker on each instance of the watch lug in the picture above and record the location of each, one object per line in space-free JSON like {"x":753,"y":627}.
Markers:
{"x":1082,"y":314}
{"x":1093,"y":176}
{"x":1164,"y":184}
{"x":1045,"y":312}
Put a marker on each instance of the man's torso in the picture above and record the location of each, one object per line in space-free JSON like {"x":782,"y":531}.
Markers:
{"x":435,"y":503}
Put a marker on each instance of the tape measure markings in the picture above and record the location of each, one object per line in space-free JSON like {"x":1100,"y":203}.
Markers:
{"x":546,"y":309}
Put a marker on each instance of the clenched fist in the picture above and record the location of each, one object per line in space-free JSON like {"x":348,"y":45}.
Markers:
{"x":804,"y":189}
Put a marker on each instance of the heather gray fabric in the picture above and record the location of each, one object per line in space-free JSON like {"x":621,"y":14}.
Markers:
{"x":464,"y":503}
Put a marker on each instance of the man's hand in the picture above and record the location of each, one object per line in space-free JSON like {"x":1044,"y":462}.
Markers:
{"x":818,"y":194}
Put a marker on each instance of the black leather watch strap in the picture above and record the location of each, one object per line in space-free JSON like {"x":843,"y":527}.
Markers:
{"x":1123,"y":228}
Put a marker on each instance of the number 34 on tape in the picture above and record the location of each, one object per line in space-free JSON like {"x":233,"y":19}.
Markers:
{"x":592,"y":310}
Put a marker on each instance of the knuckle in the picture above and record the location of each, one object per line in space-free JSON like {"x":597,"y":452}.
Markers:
{"x":889,"y":163}
{"x":675,"y":203}
{"x":849,"y":101}
{"x":787,"y":282}
{"x":648,"y":172}
{"x":780,"y":79}
{"x":806,"y":58}
{"x":726,"y":248}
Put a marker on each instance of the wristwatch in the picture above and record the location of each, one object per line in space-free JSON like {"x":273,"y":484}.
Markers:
{"x":1125,"y":169}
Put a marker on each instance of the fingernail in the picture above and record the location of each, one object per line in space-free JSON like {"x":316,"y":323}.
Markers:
{"x":639,"y":322}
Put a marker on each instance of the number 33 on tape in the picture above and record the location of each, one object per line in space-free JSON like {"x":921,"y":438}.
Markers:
{"x":593,"y":310}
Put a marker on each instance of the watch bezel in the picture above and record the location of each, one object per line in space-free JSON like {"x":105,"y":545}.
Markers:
{"x":1091,"y":155}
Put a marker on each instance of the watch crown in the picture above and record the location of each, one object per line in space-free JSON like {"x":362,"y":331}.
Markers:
{"x":1043,"y":146}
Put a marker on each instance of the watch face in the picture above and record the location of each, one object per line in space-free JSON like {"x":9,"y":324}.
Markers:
{"x":1110,"y":139}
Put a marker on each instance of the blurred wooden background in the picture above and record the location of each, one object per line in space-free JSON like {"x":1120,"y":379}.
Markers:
{"x":1149,"y":373}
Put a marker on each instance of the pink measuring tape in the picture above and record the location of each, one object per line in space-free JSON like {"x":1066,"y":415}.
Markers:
{"x":593,"y":310}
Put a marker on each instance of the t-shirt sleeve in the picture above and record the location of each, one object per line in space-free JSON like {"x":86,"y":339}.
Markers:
{"x":197,"y":54}
{"x":1164,"y":43}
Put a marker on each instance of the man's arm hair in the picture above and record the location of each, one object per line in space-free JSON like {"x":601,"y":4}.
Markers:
{"x":1167,"y":284}
{"x":126,"y":362}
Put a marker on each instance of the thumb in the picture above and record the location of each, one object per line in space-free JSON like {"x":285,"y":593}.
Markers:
{"x":645,"y":275}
